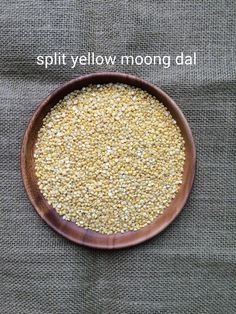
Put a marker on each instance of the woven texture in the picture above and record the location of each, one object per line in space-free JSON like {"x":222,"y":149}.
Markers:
{"x":190,"y":267}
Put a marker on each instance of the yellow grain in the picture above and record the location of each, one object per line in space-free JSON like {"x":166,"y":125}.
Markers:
{"x":109,"y":158}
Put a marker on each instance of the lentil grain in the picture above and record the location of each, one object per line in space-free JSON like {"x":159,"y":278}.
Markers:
{"x":109,"y":158}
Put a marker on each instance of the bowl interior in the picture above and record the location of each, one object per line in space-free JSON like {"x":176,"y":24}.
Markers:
{"x":70,"y":230}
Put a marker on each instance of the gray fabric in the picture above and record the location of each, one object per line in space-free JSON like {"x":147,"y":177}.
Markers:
{"x":190,"y":267}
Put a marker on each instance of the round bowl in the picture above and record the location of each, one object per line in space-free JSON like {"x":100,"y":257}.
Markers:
{"x":69,"y":229}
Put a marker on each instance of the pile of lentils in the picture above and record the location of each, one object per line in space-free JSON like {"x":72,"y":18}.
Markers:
{"x":109,"y":158}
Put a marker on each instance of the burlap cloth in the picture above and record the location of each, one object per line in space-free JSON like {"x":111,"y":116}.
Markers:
{"x":191,"y":266}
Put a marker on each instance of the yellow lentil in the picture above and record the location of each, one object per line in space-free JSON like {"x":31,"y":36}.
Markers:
{"x":109,"y":158}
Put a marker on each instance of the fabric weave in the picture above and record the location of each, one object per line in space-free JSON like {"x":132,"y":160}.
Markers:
{"x":190,"y":267}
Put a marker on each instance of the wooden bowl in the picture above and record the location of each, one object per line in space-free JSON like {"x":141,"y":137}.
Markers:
{"x":69,"y":229}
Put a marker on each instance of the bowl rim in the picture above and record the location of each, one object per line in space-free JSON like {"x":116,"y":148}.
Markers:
{"x":88,"y":237}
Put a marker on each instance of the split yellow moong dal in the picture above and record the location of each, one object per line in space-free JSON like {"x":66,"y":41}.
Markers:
{"x":109,"y":158}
